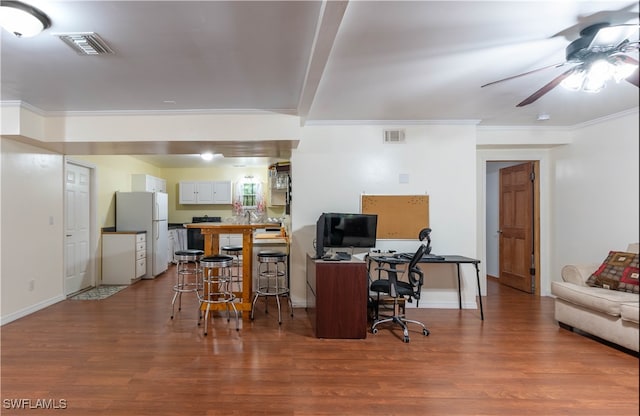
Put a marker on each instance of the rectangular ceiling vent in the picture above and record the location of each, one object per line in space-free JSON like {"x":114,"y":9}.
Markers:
{"x":86,"y":43}
{"x":394,"y":136}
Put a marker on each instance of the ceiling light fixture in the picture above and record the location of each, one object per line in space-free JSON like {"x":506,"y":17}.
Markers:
{"x":597,"y":74}
{"x":208,"y":156}
{"x":22,"y":19}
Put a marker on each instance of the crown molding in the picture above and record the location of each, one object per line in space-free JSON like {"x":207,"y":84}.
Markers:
{"x":390,"y":122}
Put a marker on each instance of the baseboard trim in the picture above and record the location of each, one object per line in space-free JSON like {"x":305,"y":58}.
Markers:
{"x":31,"y":309}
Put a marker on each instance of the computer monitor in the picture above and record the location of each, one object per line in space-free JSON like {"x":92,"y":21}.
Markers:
{"x":342,"y":230}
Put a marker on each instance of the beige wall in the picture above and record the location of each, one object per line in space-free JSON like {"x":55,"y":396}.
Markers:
{"x":113,"y":173}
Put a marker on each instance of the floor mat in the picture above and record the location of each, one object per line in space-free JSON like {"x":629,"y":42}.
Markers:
{"x":98,"y":293}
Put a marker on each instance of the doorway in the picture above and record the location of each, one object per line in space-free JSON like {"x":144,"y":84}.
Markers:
{"x":513,"y":231}
{"x":79,"y":231}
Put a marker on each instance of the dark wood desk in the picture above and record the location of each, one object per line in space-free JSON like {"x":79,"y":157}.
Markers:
{"x":337,"y":294}
{"x":441,"y":259}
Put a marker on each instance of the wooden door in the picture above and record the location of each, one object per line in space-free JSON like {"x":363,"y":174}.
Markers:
{"x":78,"y":274}
{"x":517,"y":252}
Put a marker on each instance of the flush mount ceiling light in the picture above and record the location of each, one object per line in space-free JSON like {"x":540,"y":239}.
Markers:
{"x":22,"y":19}
{"x":210,"y":156}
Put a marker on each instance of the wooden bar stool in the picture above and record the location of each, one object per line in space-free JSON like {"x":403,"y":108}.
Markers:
{"x":273,"y":280}
{"x":188,"y":273}
{"x":215,"y":286}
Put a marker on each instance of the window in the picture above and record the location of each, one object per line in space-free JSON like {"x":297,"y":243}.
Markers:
{"x":249,"y":195}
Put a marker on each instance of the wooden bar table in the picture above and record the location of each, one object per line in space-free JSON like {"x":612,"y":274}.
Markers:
{"x":211,"y":232}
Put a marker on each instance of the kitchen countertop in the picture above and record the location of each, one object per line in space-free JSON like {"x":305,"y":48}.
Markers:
{"x":261,"y":238}
{"x":123,"y":232}
{"x":227,"y":225}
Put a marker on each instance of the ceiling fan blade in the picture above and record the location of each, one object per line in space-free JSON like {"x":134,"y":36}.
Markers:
{"x":633,"y":78}
{"x":525,"y":73}
{"x":612,"y":36}
{"x":542,"y":91}
{"x":613,"y":17}
{"x":624,"y":58}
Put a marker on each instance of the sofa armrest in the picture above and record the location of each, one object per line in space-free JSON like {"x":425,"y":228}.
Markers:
{"x":578,"y":273}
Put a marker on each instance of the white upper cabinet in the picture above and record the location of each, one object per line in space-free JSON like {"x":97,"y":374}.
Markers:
{"x":205,"y":192}
{"x":147,"y":183}
{"x":222,"y":192}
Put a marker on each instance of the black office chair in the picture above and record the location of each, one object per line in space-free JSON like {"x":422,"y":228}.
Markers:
{"x":425,"y":233}
{"x":399,"y":289}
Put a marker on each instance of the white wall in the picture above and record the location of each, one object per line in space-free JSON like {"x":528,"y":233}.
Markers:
{"x":334,"y":165}
{"x":32,"y":229}
{"x":596,"y":206}
{"x":589,"y":200}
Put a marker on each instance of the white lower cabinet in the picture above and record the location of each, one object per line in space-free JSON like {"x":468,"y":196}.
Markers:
{"x":230,"y":240}
{"x":124,"y":257}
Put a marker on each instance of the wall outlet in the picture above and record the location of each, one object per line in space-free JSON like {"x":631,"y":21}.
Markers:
{"x":32,"y":285}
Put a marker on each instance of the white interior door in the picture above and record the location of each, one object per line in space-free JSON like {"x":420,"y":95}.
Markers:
{"x":78,"y":275}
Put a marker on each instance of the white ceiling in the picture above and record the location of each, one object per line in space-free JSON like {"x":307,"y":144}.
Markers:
{"x":358,"y":60}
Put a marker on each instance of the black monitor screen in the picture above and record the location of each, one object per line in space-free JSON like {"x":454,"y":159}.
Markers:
{"x":349,"y":230}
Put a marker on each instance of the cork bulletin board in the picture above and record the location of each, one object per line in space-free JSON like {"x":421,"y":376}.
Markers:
{"x":399,"y":216}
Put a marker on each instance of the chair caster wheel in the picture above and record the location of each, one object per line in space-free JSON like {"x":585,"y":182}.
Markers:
{"x":425,"y":332}
{"x":374,"y":331}
{"x":405,"y":339}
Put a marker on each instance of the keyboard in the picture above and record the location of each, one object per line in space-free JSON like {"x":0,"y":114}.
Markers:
{"x":337,"y":256}
{"x":409,"y":256}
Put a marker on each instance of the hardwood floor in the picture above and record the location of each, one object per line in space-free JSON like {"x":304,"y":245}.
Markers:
{"x":125,"y":356}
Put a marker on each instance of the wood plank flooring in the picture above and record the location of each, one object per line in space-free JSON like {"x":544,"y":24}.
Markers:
{"x":124,"y":356}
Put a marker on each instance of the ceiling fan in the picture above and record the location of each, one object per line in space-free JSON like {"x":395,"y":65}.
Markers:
{"x":600,"y":53}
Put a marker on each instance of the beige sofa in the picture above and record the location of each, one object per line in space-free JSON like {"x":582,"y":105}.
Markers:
{"x":608,"y":314}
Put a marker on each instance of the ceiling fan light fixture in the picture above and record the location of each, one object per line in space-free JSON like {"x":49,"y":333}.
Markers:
{"x":599,"y":73}
{"x":593,"y":85}
{"x":21,"y":19}
{"x":622,"y":70}
{"x":574,"y":81}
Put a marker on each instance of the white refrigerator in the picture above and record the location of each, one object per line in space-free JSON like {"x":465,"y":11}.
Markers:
{"x":146,"y":211}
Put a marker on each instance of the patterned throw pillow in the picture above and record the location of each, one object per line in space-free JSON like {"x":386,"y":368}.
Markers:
{"x":618,"y":272}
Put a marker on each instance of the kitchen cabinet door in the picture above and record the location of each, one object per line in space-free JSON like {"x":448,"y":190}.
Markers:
{"x":147,"y":183}
{"x":196,"y":192}
{"x":205,"y":192}
{"x":123,"y":257}
{"x":222,"y":192}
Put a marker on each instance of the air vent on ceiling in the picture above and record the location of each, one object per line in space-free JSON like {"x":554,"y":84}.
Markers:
{"x":88,"y":43}
{"x":394,"y":136}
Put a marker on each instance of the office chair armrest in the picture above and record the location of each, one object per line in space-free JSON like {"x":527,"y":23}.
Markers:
{"x":419,"y":281}
{"x":389,"y":271}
